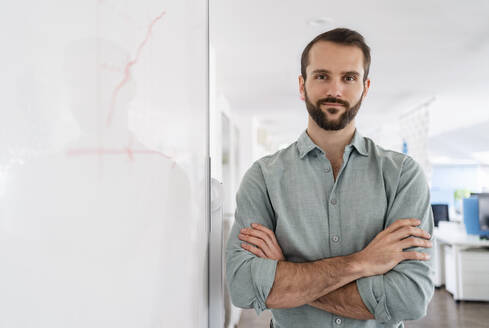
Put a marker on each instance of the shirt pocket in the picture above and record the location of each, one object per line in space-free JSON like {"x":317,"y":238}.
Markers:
{"x":302,"y":226}
{"x":363,"y":207}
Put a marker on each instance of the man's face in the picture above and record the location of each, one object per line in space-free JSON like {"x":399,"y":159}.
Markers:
{"x":334,"y":88}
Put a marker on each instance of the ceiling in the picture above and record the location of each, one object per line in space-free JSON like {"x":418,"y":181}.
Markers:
{"x":421,"y":50}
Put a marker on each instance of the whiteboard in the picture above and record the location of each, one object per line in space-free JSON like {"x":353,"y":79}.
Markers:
{"x":104,"y":164}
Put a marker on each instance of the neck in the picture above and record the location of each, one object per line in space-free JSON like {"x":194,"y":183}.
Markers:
{"x":332,"y":142}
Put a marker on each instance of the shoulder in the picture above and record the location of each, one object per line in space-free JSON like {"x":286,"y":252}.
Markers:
{"x":398,"y":170}
{"x":272,"y":167}
{"x":278,"y":161}
{"x":262,"y":173}
{"x":389,"y":159}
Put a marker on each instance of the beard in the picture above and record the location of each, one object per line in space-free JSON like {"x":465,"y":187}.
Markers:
{"x":321,"y":118}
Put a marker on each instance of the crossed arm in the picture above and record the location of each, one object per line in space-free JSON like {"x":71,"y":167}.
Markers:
{"x":344,"y":301}
{"x":330,"y":284}
{"x":387,"y":277}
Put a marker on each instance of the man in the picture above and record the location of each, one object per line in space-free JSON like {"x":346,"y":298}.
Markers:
{"x":334,"y":230}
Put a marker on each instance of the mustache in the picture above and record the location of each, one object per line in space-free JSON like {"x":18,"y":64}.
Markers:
{"x":333,"y":100}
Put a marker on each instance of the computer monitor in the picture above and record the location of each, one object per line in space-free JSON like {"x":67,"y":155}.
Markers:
{"x":484,"y":194}
{"x":440,"y":213}
{"x":484,"y":212}
{"x":476,"y":215}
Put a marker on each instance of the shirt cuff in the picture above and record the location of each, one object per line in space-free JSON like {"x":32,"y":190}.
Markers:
{"x":263,"y":276}
{"x":372,"y":292}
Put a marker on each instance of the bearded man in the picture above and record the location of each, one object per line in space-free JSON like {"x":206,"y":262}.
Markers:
{"x":333,"y":231}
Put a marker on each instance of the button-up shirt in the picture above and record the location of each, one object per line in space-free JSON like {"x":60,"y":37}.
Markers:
{"x":294,"y":193}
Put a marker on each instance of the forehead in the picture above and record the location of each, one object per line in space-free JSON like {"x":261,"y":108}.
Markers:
{"x":335,"y":57}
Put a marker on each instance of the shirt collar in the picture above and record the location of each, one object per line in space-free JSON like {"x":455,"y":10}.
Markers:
{"x":305,"y":144}
{"x":359,"y":143}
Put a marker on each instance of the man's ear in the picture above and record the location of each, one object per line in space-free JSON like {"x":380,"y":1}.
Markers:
{"x":366,"y":87}
{"x":301,"y":88}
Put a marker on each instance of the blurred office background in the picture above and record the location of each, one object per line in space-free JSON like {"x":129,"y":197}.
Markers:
{"x":429,"y":97}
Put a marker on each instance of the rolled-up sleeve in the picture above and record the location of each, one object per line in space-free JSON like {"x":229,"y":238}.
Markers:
{"x":404,"y":292}
{"x":250,"y":278}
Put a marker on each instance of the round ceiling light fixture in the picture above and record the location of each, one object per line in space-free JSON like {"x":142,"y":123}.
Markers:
{"x":320,"y":22}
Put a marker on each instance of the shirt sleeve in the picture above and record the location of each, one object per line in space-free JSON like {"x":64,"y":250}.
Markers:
{"x":404,"y":292}
{"x":250,"y":278}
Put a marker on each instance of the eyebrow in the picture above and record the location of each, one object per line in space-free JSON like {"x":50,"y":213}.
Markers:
{"x":325,"y":71}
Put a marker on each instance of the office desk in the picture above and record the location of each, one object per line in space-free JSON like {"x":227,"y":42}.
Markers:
{"x":462,"y":264}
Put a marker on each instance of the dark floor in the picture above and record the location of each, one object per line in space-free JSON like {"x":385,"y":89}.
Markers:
{"x":443,"y":312}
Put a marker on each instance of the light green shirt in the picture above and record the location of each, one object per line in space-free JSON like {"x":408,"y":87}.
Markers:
{"x":293,"y":192}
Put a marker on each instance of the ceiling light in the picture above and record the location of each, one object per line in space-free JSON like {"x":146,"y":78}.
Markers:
{"x":320,"y":22}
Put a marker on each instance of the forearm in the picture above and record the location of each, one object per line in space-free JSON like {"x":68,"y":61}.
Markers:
{"x":344,"y":301}
{"x":297,"y":284}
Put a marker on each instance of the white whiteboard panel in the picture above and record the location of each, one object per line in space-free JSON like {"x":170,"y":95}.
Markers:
{"x":103,"y":164}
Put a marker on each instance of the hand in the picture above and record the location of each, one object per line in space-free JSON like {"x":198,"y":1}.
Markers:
{"x":385,"y":251}
{"x":264,"y":241}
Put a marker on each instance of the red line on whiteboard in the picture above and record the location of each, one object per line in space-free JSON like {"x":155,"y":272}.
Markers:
{"x":127,"y":70}
{"x":104,"y":151}
{"x":111,"y":68}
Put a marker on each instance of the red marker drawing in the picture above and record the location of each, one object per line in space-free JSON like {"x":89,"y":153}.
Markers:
{"x":127,"y":69}
{"x":108,"y":151}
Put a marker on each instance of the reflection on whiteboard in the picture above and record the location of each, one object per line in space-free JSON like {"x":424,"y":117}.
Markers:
{"x":102,"y":167}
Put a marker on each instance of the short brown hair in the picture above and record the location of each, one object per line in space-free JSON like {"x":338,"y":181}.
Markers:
{"x":342,"y":36}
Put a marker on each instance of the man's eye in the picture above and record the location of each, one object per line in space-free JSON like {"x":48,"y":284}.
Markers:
{"x":321,"y":77}
{"x":350,"y":78}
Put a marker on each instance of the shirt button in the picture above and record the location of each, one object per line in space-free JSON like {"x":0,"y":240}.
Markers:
{"x":338,"y":321}
{"x":327,"y":170}
{"x":336,"y":238}
{"x":333,"y":201}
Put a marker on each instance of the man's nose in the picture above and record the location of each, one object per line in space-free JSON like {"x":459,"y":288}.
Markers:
{"x":335,"y":89}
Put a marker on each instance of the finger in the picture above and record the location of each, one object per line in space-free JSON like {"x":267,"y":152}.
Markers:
{"x":256,"y":242}
{"x":274,"y":252}
{"x":258,"y":234}
{"x":255,"y":250}
{"x":415,"y":242}
{"x":403,"y":223}
{"x":266,"y":230}
{"x":415,"y":256}
{"x":411,"y":231}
